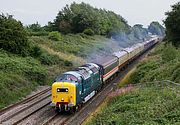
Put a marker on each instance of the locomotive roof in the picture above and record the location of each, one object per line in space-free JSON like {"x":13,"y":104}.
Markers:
{"x":93,"y":67}
{"x":83,"y":71}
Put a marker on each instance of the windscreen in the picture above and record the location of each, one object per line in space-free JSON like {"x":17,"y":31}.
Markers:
{"x":66,"y":77}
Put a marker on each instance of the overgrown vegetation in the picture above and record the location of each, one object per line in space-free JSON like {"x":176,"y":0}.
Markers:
{"x":162,"y":64}
{"x":150,"y":105}
{"x":13,"y":37}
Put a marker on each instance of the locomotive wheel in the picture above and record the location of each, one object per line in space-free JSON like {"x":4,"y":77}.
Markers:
{"x":57,"y":110}
{"x":73,"y":109}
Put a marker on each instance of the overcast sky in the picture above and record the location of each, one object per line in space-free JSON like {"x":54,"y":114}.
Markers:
{"x":42,"y":11}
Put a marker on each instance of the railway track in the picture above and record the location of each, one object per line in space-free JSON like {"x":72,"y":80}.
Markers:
{"x":19,"y":111}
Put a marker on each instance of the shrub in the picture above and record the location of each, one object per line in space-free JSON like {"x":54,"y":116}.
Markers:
{"x":48,"y":59}
{"x":142,"y":69}
{"x":68,"y":63}
{"x":175,"y":76}
{"x":169,"y":53}
{"x":36,"y":75}
{"x":36,"y":51}
{"x":56,"y":36}
{"x":40,"y":33}
{"x":36,"y":30}
{"x":13,"y":37}
{"x":89,"y":32}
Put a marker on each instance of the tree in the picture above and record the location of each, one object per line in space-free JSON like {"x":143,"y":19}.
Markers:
{"x":172,"y":23}
{"x":156,"y":29}
{"x":36,"y":27}
{"x":139,"y":32}
{"x":13,"y":36}
{"x":78,"y":17}
{"x":36,"y":30}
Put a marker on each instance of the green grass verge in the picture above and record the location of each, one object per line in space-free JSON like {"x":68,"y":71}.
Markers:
{"x":150,"y":105}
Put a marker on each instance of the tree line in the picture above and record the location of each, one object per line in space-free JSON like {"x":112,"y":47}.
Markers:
{"x":83,"y":18}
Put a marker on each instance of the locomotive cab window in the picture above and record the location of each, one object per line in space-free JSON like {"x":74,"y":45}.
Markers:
{"x":67,"y":77}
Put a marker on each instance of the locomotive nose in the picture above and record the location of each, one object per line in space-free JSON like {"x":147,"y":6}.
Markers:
{"x":64,"y":94}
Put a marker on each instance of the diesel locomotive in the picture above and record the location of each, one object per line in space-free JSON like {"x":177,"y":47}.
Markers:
{"x":74,"y":88}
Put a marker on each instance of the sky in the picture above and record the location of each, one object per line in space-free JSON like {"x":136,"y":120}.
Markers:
{"x":134,"y":11}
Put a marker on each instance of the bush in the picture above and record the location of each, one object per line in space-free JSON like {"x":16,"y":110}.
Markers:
{"x":56,"y":36}
{"x":13,"y":37}
{"x":40,"y":33}
{"x":169,"y":53}
{"x":89,"y":32}
{"x":68,"y":63}
{"x":36,"y":30}
{"x":142,"y":69}
{"x":48,"y":59}
{"x":36,"y":51}
{"x":36,"y":75}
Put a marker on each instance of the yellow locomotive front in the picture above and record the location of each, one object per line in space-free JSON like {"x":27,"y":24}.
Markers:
{"x":64,"y":93}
